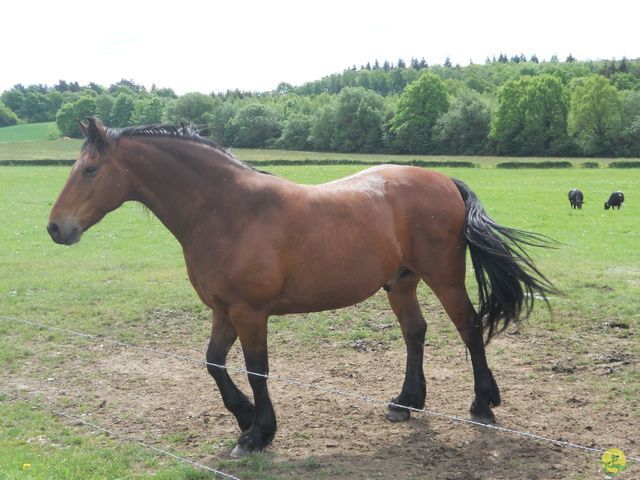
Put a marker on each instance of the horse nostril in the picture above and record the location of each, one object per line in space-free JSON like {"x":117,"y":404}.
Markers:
{"x":53,"y":230}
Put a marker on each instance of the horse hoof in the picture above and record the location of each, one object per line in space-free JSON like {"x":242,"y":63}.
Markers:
{"x":398,"y":415}
{"x":481,"y":412}
{"x":483,"y":417}
{"x":486,"y":419}
{"x":239,"y":451}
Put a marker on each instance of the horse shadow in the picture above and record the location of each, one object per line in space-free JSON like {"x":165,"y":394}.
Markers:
{"x":440,"y":450}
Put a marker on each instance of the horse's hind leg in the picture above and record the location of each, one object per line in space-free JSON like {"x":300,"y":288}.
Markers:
{"x":404,"y":304}
{"x":223,"y":335}
{"x":451,"y":291}
{"x":486,"y":388}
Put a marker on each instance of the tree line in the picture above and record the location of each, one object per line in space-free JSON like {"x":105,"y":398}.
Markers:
{"x":507,"y":106}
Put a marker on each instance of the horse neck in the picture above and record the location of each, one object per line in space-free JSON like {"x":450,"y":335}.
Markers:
{"x":176,"y":179}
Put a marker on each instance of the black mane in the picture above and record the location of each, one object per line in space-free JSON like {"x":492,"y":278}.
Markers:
{"x":183,"y":132}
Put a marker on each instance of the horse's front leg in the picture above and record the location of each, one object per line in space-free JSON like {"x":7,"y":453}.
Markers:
{"x":223,"y":335}
{"x":251,"y":326}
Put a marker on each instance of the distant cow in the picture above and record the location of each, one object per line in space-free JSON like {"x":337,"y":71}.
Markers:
{"x":615,"y":200}
{"x":576,"y":198}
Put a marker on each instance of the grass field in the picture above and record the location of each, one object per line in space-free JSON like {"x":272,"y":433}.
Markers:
{"x":30,"y":132}
{"x":128,"y":270}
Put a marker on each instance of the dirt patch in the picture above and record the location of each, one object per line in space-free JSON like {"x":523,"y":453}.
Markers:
{"x":558,"y":393}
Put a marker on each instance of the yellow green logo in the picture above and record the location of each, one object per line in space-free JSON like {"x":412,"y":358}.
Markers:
{"x":613,"y":461}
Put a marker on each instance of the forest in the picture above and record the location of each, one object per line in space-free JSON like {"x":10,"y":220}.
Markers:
{"x":515,"y":106}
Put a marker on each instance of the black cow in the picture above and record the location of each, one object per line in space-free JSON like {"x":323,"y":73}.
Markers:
{"x":576,"y":198}
{"x":615,"y":200}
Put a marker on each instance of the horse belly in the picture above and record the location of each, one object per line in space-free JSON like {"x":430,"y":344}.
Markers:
{"x":338,"y":272}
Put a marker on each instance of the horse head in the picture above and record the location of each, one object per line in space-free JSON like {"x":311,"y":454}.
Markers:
{"x":96,"y":185}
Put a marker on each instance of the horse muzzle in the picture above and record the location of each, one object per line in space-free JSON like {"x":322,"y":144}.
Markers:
{"x":65,"y":232}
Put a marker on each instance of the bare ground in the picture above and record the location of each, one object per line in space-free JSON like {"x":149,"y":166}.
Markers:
{"x":556,"y":390}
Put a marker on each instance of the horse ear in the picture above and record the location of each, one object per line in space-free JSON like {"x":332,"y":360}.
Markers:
{"x":95,"y":132}
{"x":84,"y":128}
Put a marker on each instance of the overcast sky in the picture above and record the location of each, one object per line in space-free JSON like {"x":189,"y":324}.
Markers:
{"x":212,"y":46}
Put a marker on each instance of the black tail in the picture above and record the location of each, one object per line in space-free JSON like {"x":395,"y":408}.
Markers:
{"x":508,"y":280}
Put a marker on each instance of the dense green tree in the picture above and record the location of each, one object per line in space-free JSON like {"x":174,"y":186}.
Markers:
{"x":545,"y":123}
{"x":358,"y":121}
{"x":34,"y":103}
{"x":508,"y":120}
{"x":7,"y":116}
{"x":255,"y":126}
{"x":292,"y":104}
{"x":191,"y":107}
{"x":148,"y":110}
{"x":397,"y":81}
{"x":14,"y":98}
{"x":39,"y":104}
{"x":163,"y":92}
{"x":464,"y":128}
{"x":630,"y":104}
{"x":64,"y":86}
{"x":122,"y":111}
{"x":284,"y":87}
{"x":629,"y":137}
{"x":476,"y":78}
{"x":54,"y":102}
{"x":625,"y":81}
{"x":419,"y":107}
{"x":595,"y":116}
{"x":323,"y":127}
{"x":295,"y":135}
{"x":99,"y":89}
{"x":129,"y":85}
{"x":104,"y":104}
{"x":531,"y":117}
{"x":69,"y":114}
{"x":34,"y":107}
{"x":219,"y":124}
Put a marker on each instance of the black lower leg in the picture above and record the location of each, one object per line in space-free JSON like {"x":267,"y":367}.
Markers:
{"x":414,"y":388}
{"x":405,"y":305}
{"x":263,"y":428}
{"x":485,"y":386}
{"x":234,"y":400}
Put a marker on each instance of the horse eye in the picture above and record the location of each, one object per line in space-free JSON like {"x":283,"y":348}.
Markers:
{"x":90,"y":171}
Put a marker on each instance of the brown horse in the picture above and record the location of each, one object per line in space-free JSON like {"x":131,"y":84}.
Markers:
{"x":256,"y":245}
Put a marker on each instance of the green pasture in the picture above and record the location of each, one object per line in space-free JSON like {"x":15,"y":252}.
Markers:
{"x":128,"y":266}
{"x":30,"y":132}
